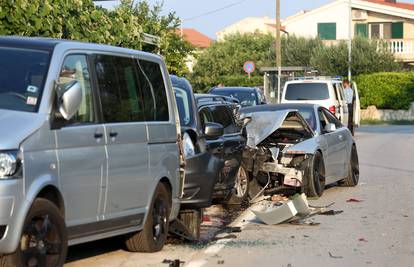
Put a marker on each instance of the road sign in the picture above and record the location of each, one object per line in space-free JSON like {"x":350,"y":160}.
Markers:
{"x":249,"y":67}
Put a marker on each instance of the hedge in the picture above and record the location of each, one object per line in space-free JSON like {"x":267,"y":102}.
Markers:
{"x":232,"y":80}
{"x":386,"y":90}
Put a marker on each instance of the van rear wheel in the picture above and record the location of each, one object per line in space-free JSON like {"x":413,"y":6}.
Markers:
{"x":44,"y":240}
{"x":154,"y":234}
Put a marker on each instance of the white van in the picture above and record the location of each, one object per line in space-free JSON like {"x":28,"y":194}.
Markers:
{"x":326,"y":92}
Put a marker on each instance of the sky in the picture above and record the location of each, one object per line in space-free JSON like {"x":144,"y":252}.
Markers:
{"x":233,"y":11}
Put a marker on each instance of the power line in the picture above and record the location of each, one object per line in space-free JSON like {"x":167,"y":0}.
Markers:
{"x":215,"y":10}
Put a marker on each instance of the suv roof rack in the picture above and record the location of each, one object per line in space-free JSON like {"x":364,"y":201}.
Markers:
{"x":307,"y":78}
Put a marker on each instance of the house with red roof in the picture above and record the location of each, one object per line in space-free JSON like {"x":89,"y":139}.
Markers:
{"x":389,"y":20}
{"x":196,"y":38}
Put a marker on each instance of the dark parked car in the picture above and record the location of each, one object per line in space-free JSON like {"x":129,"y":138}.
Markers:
{"x":247,"y":96}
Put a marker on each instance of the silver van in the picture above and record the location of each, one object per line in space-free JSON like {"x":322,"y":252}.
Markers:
{"x":88,"y":149}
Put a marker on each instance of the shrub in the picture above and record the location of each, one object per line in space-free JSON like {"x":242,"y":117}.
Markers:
{"x":386,"y":90}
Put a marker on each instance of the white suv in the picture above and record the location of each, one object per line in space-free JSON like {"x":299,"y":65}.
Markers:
{"x":326,"y":92}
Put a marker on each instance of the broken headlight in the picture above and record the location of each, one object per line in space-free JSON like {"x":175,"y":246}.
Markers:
{"x":9,"y":164}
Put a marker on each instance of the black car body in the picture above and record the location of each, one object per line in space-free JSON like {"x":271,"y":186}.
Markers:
{"x":202,"y":167}
{"x":247,"y":96}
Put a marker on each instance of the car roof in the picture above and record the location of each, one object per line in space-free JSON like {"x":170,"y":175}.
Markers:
{"x":180,"y":82}
{"x":276,"y":107}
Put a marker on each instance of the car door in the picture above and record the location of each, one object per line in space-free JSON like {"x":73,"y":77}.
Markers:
{"x":214,"y":146}
{"x":341,"y":136}
{"x":80,"y":150}
{"x":357,"y":106}
{"x":233,"y":142}
{"x":128,"y":180}
{"x":332,"y":152}
{"x":343,"y":107}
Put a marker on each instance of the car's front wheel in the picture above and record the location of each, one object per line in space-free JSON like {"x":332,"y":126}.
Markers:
{"x":315,"y":176}
{"x":43,"y":242}
{"x":240,"y":191}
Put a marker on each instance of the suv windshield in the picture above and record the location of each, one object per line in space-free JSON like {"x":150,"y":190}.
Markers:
{"x":22,"y":75}
{"x":184,"y":106}
{"x":245,"y":98}
{"x":307,"y":91}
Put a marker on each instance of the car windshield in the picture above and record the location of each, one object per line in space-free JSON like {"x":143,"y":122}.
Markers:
{"x":184,"y":106}
{"x":307,"y":91}
{"x":246,"y":98}
{"x":22,"y":76}
{"x":309,"y":115}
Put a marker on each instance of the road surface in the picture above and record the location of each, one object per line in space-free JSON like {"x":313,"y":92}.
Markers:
{"x":379,"y":231}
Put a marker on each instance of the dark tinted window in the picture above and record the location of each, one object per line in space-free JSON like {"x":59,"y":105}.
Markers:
{"x":22,"y":76}
{"x":246,"y":98}
{"x":153,"y":90}
{"x":118,"y":85}
{"x":222,"y":115}
{"x":307,"y":91}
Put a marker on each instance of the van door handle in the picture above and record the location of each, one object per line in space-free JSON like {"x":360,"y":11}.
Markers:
{"x":113,"y":134}
{"x":98,"y":135}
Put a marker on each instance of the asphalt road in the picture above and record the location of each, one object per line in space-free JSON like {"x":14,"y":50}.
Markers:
{"x":379,"y":231}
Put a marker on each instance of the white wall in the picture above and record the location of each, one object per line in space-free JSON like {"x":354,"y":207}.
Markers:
{"x":307,"y":25}
{"x":247,"y":25}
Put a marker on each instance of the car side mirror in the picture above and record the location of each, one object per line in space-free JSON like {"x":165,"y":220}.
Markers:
{"x":69,"y":99}
{"x":330,"y":127}
{"x":213,"y":130}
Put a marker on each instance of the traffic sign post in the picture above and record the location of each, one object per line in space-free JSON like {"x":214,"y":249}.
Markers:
{"x":249,"y":67}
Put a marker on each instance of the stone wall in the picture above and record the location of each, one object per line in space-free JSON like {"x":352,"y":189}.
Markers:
{"x":372,"y":113}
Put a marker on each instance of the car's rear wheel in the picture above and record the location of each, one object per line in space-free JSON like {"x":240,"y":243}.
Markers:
{"x":315,"y":176}
{"x":353,"y":170}
{"x":154,"y":234}
{"x":240,"y":191}
{"x":44,"y":241}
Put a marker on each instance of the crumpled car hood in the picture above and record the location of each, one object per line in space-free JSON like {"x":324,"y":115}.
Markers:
{"x":263,"y":124}
{"x":16,"y":126}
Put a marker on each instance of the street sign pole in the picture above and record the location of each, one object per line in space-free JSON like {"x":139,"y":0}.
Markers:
{"x":278,"y":50}
{"x":350,"y":42}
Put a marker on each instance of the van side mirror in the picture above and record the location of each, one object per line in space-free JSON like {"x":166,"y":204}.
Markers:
{"x":330,"y":127}
{"x":69,"y":99}
{"x":213,"y":130}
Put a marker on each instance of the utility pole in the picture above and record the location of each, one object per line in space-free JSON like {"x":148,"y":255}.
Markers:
{"x":350,"y":43}
{"x":278,"y":49}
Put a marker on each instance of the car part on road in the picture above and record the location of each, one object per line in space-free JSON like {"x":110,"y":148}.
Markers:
{"x":354,"y":200}
{"x":334,"y":257}
{"x":331,"y":212}
{"x":173,"y":263}
{"x":187,"y":225}
{"x":154,"y":234}
{"x":44,"y":239}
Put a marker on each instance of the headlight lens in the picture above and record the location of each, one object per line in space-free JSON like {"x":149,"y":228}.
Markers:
{"x":189,"y":150}
{"x":9,"y":164}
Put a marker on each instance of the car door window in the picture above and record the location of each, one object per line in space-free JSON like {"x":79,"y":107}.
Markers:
{"x":75,"y":68}
{"x":332,"y":119}
{"x":223,"y":115}
{"x":323,"y":121}
{"x":205,"y":116}
{"x":118,"y":85}
{"x":153,"y":90}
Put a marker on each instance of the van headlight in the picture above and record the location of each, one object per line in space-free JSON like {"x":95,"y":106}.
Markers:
{"x":9,"y":164}
{"x":188,"y":146}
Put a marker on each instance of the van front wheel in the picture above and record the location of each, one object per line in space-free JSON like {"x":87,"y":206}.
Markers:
{"x":155,"y":231}
{"x":43,"y":241}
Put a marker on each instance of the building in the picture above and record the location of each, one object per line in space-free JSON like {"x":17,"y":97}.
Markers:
{"x":387,"y":20}
{"x":249,"y":25}
{"x":199,"y":40}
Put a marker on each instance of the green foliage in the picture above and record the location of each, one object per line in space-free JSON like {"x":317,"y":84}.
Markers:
{"x":386,"y":90}
{"x":83,"y":21}
{"x":367,"y":57}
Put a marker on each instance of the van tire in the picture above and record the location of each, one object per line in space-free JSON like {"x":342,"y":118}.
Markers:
{"x":154,"y":233}
{"x":240,"y":193}
{"x":46,"y":214}
{"x":353,"y":170}
{"x":315,"y":176}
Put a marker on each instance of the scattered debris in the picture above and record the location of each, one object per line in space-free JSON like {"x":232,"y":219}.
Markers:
{"x":304,"y":222}
{"x":335,"y":257}
{"x":361,"y":239}
{"x":206,"y":218}
{"x":220,"y":262}
{"x":306,"y":236}
{"x":279,"y":198}
{"x":405,"y":216}
{"x":354,"y":200}
{"x":276,"y":213}
{"x":216,"y":238}
{"x":322,"y":207}
{"x":173,"y":263}
{"x":331,"y":212}
{"x":364,"y":217}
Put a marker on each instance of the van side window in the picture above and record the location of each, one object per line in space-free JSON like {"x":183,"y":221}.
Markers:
{"x":75,"y":68}
{"x":118,"y":86}
{"x":153,"y":91}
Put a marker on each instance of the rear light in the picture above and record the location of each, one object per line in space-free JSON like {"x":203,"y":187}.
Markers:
{"x":332,"y":109}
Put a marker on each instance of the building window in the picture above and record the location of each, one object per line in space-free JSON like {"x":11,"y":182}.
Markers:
{"x":361,"y":30}
{"x":327,"y":31}
{"x":386,"y":30}
{"x":397,"y":30}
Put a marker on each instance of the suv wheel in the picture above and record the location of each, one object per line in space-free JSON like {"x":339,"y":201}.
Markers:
{"x":44,"y":241}
{"x":154,"y":234}
{"x":240,"y":191}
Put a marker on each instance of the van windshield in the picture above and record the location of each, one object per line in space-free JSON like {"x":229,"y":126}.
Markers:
{"x":22,"y":77}
{"x":307,"y":91}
